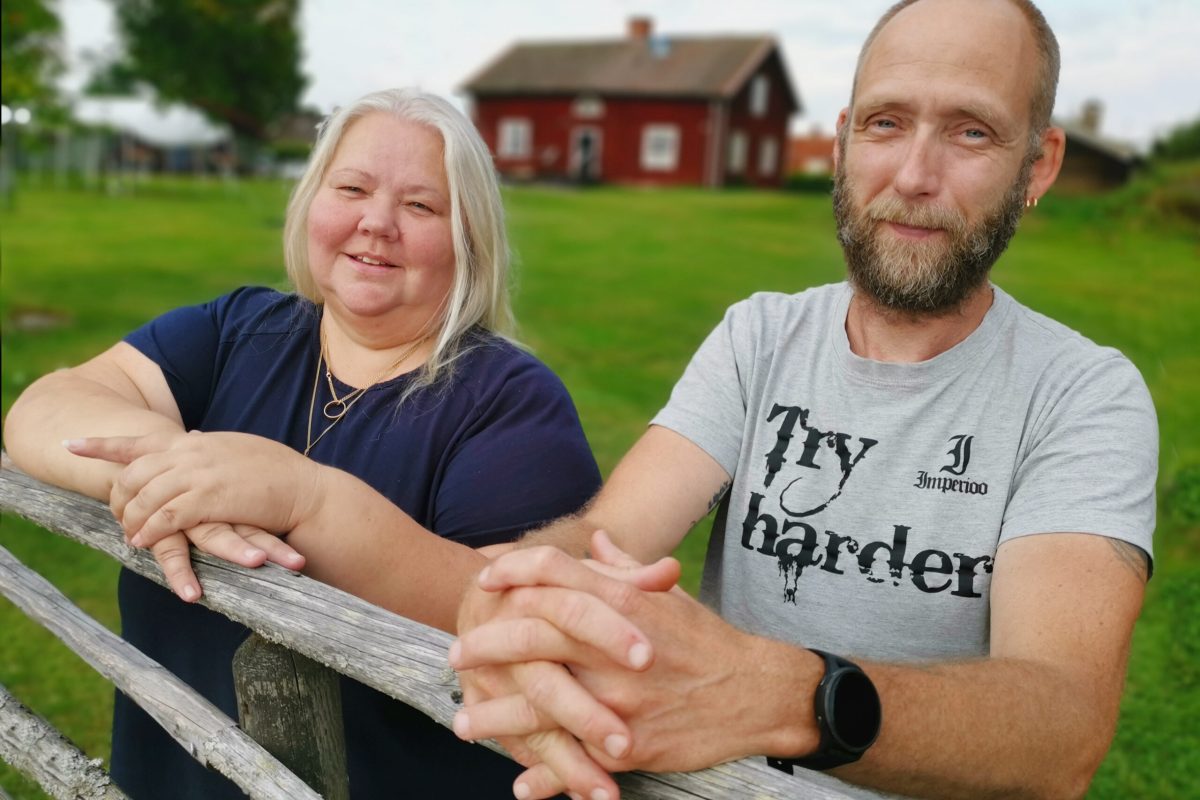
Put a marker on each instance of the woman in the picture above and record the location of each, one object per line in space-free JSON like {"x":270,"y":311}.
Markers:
{"x":387,"y":369}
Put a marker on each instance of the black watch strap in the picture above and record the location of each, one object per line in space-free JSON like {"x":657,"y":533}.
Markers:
{"x":848,"y":717}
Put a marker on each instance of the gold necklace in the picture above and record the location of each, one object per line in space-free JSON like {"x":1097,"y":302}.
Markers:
{"x":348,"y":400}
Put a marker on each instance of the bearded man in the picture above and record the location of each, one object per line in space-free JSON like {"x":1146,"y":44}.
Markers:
{"x":935,"y":504}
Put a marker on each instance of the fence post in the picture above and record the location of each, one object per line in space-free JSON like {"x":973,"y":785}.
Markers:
{"x":292,"y":706}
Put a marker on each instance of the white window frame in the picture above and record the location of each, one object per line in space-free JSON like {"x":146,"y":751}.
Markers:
{"x":768,"y":157}
{"x":660,"y":148}
{"x":739,"y":147}
{"x":760,"y":95}
{"x":514,"y":137}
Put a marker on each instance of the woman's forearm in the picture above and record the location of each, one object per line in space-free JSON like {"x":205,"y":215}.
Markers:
{"x":358,"y":540}
{"x":95,"y":399}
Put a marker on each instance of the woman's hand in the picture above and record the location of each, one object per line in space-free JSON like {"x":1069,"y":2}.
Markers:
{"x":174,"y":481}
{"x":223,"y":492}
{"x":241,"y":544}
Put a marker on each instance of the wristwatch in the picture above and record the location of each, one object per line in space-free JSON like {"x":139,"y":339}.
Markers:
{"x":848,"y":717}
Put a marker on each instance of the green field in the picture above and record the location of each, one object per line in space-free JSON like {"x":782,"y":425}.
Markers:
{"x":615,"y":289}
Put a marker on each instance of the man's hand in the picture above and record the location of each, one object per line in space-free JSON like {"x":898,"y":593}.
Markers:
{"x":681,"y":710}
{"x":547,"y":740}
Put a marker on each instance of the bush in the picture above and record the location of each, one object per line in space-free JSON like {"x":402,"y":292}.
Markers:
{"x":809,"y":183}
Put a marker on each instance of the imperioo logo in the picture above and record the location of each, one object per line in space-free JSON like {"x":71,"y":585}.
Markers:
{"x":827,"y":460}
{"x":960,"y":451}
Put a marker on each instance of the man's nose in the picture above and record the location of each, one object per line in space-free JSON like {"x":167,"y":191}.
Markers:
{"x":919,"y":172}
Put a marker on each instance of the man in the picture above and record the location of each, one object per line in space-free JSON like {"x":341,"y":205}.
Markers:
{"x":950,"y":494}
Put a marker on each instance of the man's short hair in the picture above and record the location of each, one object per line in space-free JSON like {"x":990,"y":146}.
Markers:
{"x":1042,"y":105}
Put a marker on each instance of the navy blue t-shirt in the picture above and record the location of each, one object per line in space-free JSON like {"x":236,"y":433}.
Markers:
{"x":492,"y":451}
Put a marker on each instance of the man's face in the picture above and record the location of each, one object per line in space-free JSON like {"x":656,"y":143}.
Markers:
{"x":933,"y":166}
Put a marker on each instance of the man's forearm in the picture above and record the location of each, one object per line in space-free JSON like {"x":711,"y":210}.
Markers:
{"x":987,"y":728}
{"x":571,"y":534}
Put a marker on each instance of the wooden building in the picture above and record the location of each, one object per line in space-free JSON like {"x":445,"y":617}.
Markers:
{"x":1093,"y":162}
{"x":647,"y":109}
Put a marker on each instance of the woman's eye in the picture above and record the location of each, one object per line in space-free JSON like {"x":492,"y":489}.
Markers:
{"x":351,"y":189}
{"x":419,"y":206}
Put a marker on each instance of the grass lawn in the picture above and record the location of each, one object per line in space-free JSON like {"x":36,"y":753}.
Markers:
{"x":615,"y":290}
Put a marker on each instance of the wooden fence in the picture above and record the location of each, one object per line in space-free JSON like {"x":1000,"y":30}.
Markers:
{"x":305,"y":627}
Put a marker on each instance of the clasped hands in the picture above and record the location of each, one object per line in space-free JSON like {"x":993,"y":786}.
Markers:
{"x":229,"y":494}
{"x":581,"y":669}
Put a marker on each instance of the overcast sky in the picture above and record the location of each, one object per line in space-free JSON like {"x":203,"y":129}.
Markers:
{"x":1139,"y":57}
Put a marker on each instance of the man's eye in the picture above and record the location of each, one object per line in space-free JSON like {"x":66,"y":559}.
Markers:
{"x":975,"y":133}
{"x":884,"y":123}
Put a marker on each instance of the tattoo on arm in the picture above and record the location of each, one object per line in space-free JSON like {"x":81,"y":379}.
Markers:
{"x":716,"y":498}
{"x":1132,"y":556}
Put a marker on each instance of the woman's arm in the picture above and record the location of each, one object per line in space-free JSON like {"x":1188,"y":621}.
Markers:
{"x":351,"y":536}
{"x":119,"y":392}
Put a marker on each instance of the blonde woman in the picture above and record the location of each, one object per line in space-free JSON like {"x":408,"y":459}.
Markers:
{"x":386,"y":371}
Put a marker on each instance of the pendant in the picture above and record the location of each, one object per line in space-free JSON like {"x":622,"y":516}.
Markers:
{"x":339,"y":409}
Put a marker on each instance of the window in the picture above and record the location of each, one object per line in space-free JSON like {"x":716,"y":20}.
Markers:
{"x":768,"y":158}
{"x":660,"y":148}
{"x":587,"y":107}
{"x":737,"y":152}
{"x":760,"y":91}
{"x":515,"y":138}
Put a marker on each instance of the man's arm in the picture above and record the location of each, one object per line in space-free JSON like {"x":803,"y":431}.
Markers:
{"x":662,"y":487}
{"x":1033,"y":719}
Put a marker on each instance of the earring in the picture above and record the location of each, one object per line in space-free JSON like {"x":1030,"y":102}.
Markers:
{"x":1031,"y":202}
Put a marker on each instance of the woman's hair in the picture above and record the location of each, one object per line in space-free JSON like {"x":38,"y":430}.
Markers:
{"x":479,"y":292}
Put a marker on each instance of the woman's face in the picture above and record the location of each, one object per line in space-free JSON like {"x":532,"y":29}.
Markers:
{"x":379,"y":241}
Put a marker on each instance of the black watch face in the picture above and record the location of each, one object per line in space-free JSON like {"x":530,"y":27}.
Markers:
{"x":856,"y":715}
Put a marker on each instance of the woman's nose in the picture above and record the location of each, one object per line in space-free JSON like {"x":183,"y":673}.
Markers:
{"x":379,"y":221}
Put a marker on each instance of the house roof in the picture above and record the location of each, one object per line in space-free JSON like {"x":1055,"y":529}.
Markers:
{"x":1078,"y":134}
{"x":703,"y":67}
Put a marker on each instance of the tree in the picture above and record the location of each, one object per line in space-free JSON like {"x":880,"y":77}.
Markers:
{"x":236,"y":60}
{"x":1182,"y":141}
{"x":29,"y":46}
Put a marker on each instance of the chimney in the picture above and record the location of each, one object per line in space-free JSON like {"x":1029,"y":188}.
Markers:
{"x":1089,"y":119}
{"x":640,"y":28}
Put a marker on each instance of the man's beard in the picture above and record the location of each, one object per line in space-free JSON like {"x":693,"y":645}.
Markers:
{"x":929,"y":277}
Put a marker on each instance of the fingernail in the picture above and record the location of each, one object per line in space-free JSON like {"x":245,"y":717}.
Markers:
{"x":190,"y":593}
{"x":575,"y":795}
{"x":455,"y":652}
{"x":639,"y":655}
{"x":521,"y":791}
{"x":599,"y":794}
{"x":136,"y":541}
{"x":462,"y":725}
{"x":483,"y":575}
{"x":254,"y":552}
{"x":615,"y":745}
{"x":71,"y":444}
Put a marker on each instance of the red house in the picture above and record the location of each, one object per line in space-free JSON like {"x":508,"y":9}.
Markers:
{"x":648,"y":109}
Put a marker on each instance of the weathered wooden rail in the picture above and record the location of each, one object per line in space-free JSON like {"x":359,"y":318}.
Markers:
{"x":399,"y":657}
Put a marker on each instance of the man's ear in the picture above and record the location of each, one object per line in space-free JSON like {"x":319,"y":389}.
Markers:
{"x":1046,"y":168}
{"x":843,"y":118}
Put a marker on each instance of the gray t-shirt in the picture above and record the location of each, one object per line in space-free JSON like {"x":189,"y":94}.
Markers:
{"x":869,"y":498}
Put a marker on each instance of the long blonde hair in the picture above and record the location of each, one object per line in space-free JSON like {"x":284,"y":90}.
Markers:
{"x":479,"y":293}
